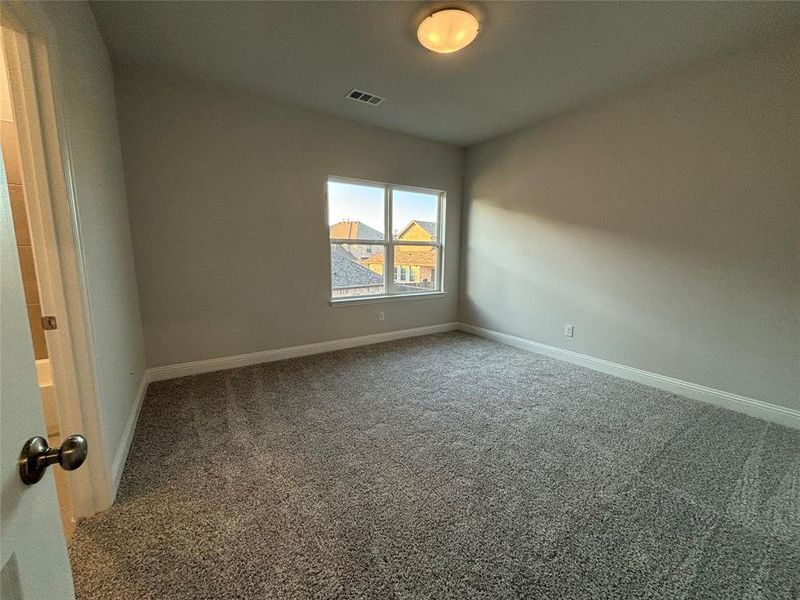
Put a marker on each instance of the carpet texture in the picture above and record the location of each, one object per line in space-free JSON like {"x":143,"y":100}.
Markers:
{"x":445,"y":466}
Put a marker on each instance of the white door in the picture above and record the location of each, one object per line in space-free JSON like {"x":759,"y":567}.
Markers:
{"x":33,"y":553}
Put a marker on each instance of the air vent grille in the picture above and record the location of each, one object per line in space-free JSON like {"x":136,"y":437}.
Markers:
{"x":365,"y":97}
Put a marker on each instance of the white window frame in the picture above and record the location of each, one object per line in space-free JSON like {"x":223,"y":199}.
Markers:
{"x":389,"y":243}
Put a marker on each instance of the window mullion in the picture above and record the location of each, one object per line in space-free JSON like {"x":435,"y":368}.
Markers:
{"x":439,"y":282}
{"x":388,"y":261}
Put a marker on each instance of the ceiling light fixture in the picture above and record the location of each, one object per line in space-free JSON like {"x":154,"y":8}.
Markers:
{"x":448,"y":30}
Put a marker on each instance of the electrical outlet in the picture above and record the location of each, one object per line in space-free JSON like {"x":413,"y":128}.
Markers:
{"x":381,"y":315}
{"x":569,"y":330}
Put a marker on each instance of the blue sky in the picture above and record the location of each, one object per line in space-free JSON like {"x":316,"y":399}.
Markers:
{"x":361,"y":203}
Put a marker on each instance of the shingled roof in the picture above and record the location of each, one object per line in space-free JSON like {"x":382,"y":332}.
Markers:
{"x":428,"y":226}
{"x":347,"y":272}
{"x":354,"y":230}
{"x":408,"y":255}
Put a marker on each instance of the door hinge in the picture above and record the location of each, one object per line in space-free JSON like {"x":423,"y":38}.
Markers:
{"x":49,"y":323}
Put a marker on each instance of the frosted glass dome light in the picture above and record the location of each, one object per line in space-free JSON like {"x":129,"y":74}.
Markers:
{"x":448,"y":30}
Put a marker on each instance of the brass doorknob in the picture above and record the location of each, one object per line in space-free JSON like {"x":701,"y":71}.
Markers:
{"x":36,"y":456}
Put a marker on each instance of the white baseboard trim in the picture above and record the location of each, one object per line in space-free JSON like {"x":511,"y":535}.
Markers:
{"x":121,"y":455}
{"x":735,"y":402}
{"x":743,"y":404}
{"x":243,"y":360}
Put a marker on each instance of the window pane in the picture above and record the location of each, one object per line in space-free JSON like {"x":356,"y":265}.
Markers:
{"x":416,"y":269}
{"x":415,"y":215}
{"x":355,"y":272}
{"x":355,"y":211}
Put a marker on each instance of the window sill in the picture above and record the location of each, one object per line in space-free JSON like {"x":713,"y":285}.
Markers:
{"x":395,"y":298}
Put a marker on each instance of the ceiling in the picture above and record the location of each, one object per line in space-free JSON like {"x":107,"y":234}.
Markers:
{"x":531,"y":59}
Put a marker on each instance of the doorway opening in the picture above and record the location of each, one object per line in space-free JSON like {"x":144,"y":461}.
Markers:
{"x":28,"y":246}
{"x":47,"y":232}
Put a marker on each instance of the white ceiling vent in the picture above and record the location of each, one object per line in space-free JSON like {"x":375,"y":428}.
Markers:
{"x":365,"y":97}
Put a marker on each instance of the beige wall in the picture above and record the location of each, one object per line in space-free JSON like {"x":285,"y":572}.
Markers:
{"x":11,"y":159}
{"x":88,"y":107}
{"x":13,"y":165}
{"x":664,"y":223}
{"x":226,"y":195}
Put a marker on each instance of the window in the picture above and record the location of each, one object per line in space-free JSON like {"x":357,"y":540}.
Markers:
{"x":386,"y":240}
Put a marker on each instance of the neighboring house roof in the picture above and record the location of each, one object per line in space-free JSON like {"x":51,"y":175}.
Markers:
{"x":347,"y":272}
{"x":354,"y":230}
{"x":407,"y":255}
{"x":422,"y":257}
{"x":428,"y":226}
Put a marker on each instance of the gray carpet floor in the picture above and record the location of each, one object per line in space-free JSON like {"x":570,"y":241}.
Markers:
{"x":446,"y":466}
